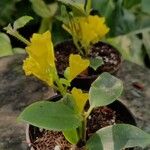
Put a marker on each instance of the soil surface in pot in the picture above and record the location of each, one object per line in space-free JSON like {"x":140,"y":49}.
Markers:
{"x":50,"y":140}
{"x":111,"y":57}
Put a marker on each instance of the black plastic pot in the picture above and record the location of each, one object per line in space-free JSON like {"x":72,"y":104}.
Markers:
{"x":127,"y":118}
{"x":84,"y":82}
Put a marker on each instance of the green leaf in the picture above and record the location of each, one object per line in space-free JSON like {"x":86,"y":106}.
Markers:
{"x":40,"y":8}
{"x":117,"y":137}
{"x":64,"y":17}
{"x":69,"y":101}
{"x":64,"y":82}
{"x":96,"y":62}
{"x":18,"y":50}
{"x":66,"y":73}
{"x":121,"y":43}
{"x":129,"y":4}
{"x":122,"y":16}
{"x":104,"y":90}
{"x":71,"y":136}
{"x":104,"y":7}
{"x":21,"y":22}
{"x":146,"y":6}
{"x":53,"y":7}
{"x":130,"y":46}
{"x":146,"y":39}
{"x":51,"y":116}
{"x":5,"y":45}
{"x":76,"y":6}
{"x":88,"y":6}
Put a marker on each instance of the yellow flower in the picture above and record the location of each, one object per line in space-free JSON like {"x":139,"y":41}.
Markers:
{"x":41,"y":57}
{"x":80,"y":98}
{"x":76,"y":66}
{"x":32,"y":67}
{"x":41,"y":49}
{"x":87,"y":30}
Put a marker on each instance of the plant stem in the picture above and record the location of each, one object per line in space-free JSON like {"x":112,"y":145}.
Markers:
{"x":84,"y":123}
{"x":73,"y":147}
{"x":16,"y":34}
{"x":46,"y":24}
{"x":78,"y":47}
{"x":73,"y":27}
{"x":84,"y":129}
{"x":60,"y":86}
{"x":88,"y":112}
{"x":87,"y":6}
{"x":21,"y":38}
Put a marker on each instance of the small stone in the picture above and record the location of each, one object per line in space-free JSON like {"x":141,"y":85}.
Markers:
{"x":57,"y":147}
{"x":89,"y":117}
{"x":41,"y":130}
{"x":106,"y":59}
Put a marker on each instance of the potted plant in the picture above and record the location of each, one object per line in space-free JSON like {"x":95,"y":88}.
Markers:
{"x":66,"y":121}
{"x":87,"y":31}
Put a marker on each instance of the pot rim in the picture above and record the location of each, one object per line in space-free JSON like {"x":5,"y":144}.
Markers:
{"x":28,"y":139}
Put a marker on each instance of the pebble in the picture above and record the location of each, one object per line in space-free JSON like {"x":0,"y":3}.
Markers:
{"x":57,"y":147}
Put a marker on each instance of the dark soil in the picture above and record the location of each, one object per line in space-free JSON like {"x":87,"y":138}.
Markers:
{"x":99,"y":118}
{"x":110,"y":56}
{"x":50,"y":140}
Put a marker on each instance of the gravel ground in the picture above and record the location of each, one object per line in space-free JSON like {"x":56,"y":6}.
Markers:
{"x":17,"y":91}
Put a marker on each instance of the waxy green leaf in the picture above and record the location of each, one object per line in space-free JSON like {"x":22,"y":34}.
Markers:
{"x":51,"y":116}
{"x":18,"y":50}
{"x":21,"y":22}
{"x":64,"y":17}
{"x":5,"y":45}
{"x":69,"y":101}
{"x":117,"y":137}
{"x":40,"y":7}
{"x":76,"y":6}
{"x":145,"y":6}
{"x":96,"y":62}
{"x":104,"y":90}
{"x":129,"y":4}
{"x":71,"y":136}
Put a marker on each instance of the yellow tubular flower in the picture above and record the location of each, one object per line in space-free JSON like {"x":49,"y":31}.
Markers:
{"x":76,"y":66}
{"x":88,"y":30}
{"x":41,"y":49}
{"x":32,"y":67}
{"x":80,"y":98}
{"x":41,"y":57}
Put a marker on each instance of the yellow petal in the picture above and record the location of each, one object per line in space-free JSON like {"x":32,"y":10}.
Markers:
{"x":80,"y":98}
{"x":41,"y":57}
{"x":30,"y":67}
{"x":41,"y":49}
{"x":76,"y":66}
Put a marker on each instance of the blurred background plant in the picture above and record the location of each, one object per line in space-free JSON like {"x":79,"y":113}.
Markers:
{"x":129,"y":22}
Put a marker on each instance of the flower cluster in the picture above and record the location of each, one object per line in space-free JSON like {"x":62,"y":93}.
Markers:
{"x":87,"y":30}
